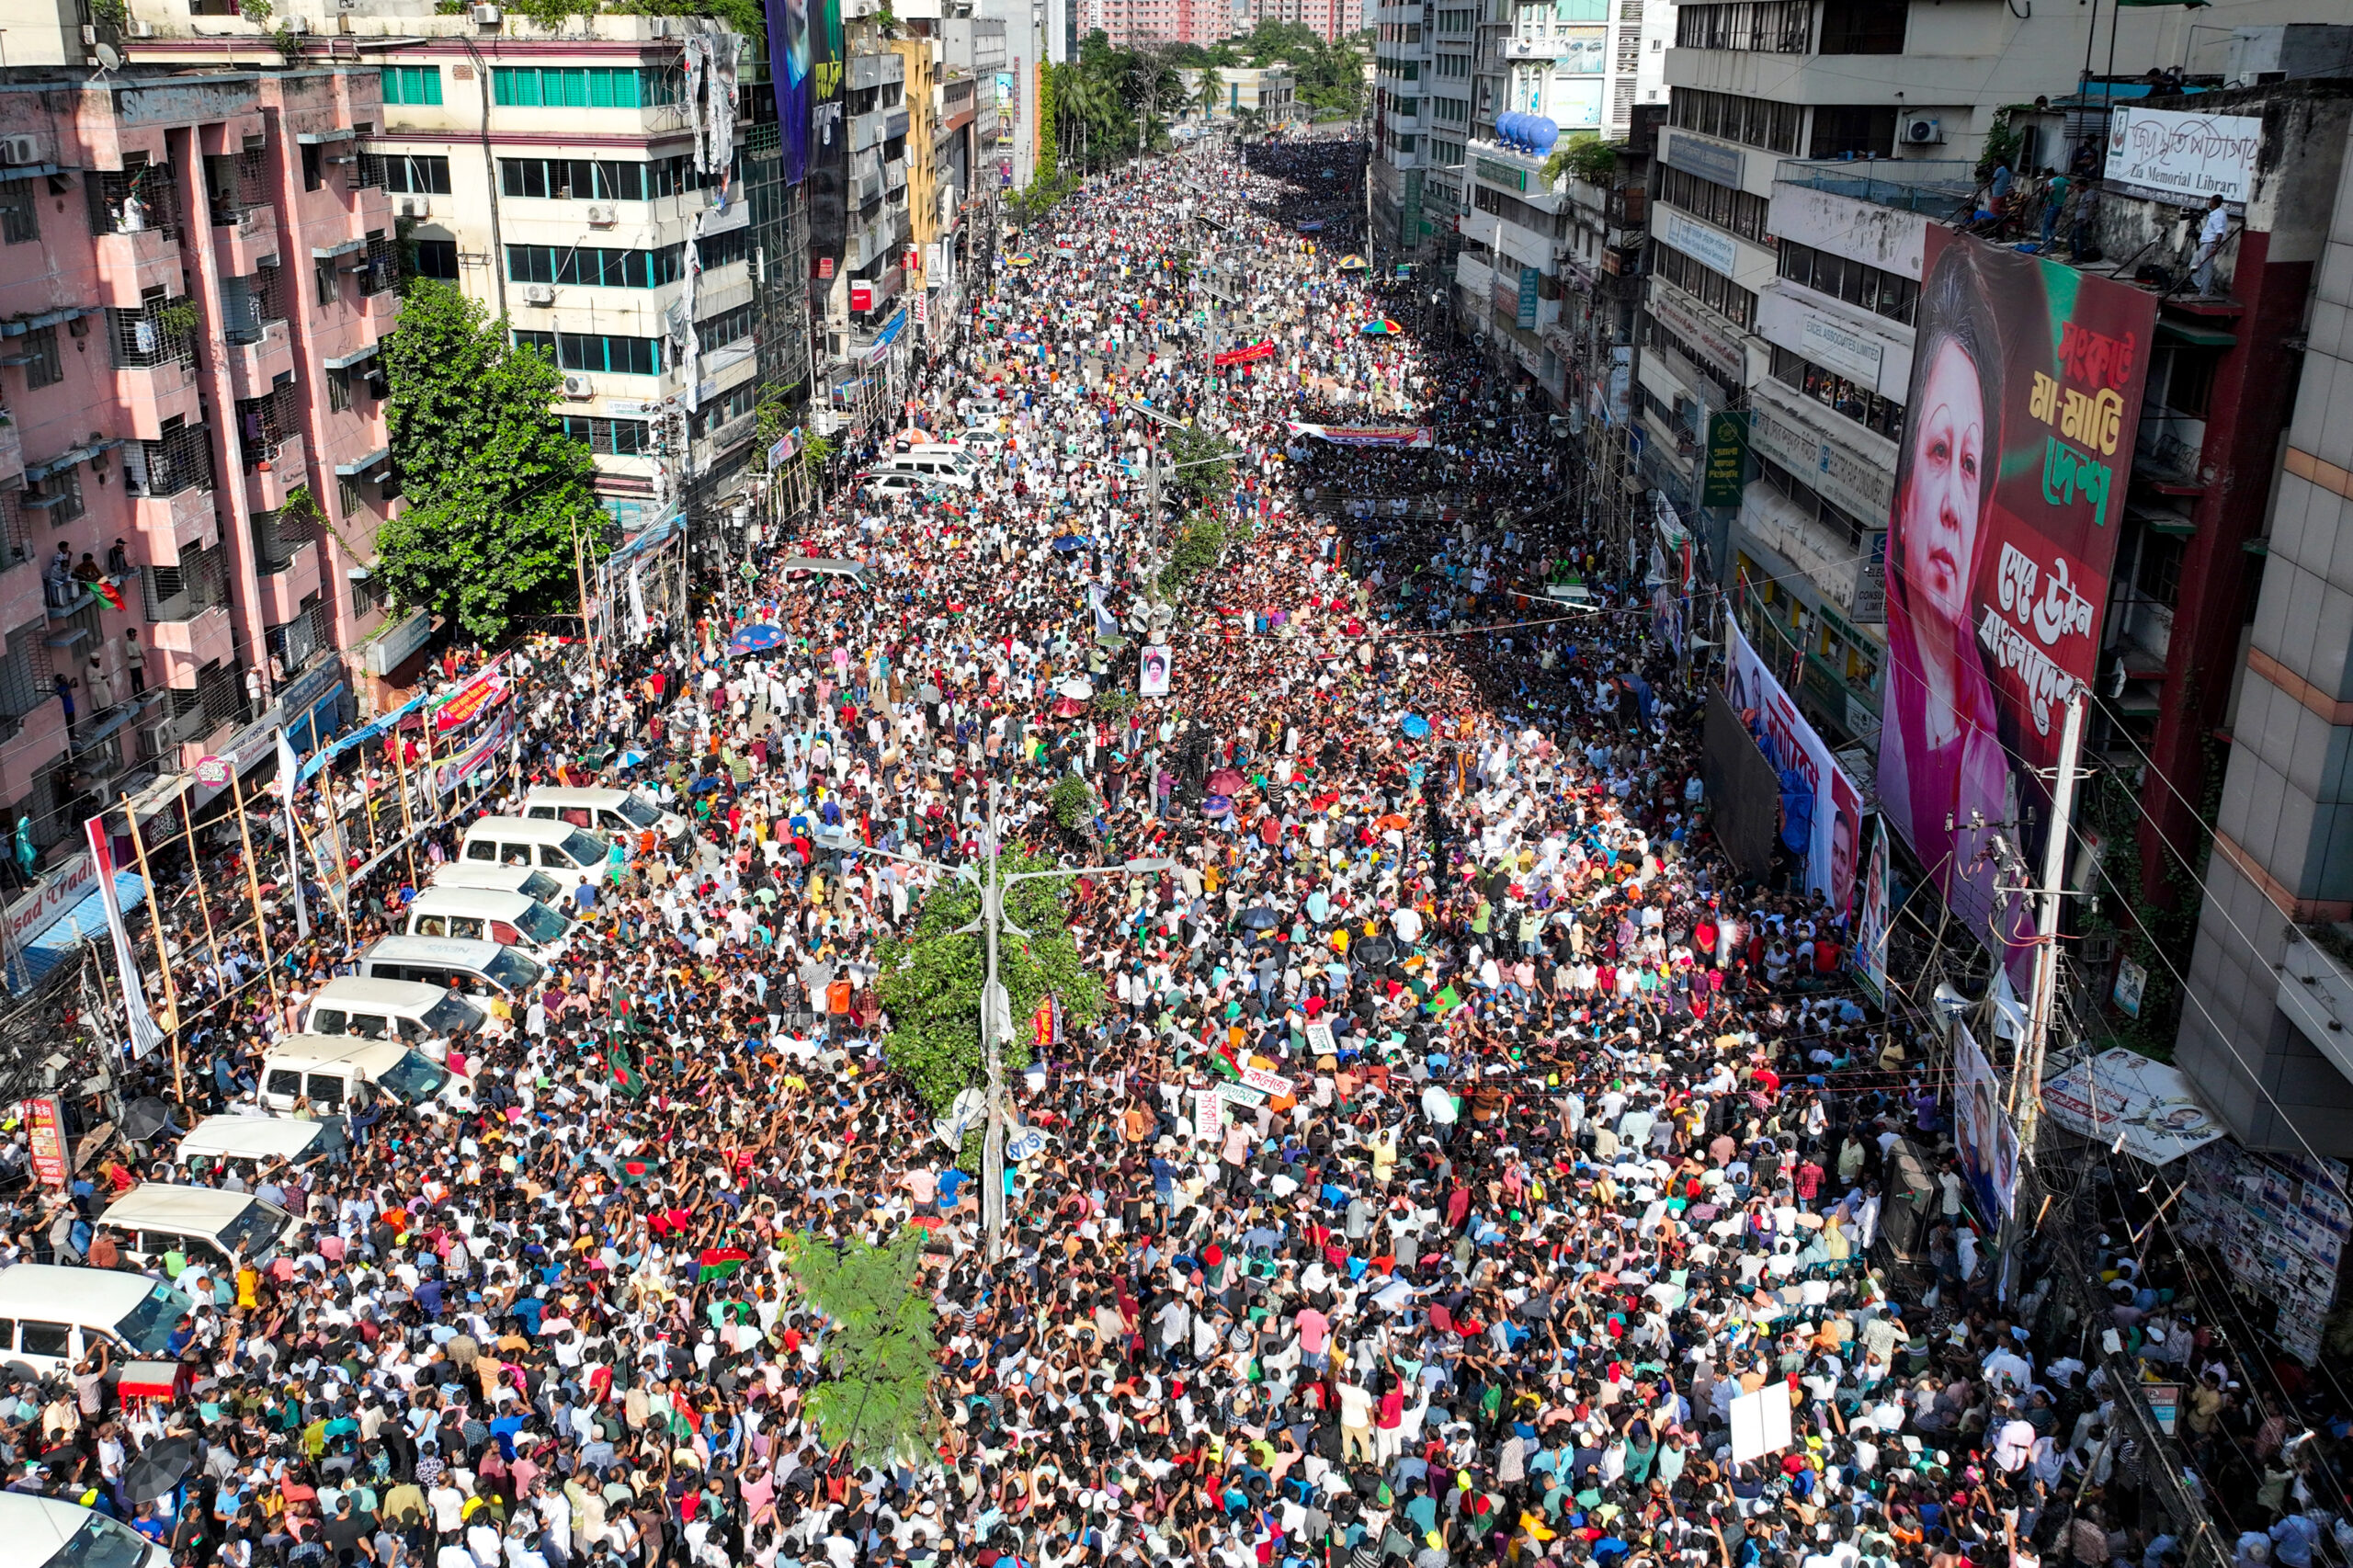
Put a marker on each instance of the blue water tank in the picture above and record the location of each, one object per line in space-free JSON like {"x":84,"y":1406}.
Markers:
{"x":1503,"y":127}
{"x":1541,"y":133}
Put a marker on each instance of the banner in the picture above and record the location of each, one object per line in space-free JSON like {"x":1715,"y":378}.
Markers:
{"x":2192,"y":155}
{"x":2123,"y":1099}
{"x":826,"y":134}
{"x":45,"y":1136}
{"x":2017,"y":449}
{"x":450,"y":772}
{"x":1418,"y":437}
{"x":1871,"y":923}
{"x":1822,"y":812}
{"x":1989,"y":1144}
{"x":1257,"y":351}
{"x":789,"y":76}
{"x":289,"y":773}
{"x":484,"y":690}
{"x":144,"y":1036}
{"x":1153,"y":676}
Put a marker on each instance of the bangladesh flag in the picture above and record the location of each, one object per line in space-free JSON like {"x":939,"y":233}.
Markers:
{"x":719,"y":1262}
{"x":108,"y":592}
{"x":623,"y":1073}
{"x":634,"y":1170}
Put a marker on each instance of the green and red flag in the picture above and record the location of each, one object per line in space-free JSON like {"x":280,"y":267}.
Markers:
{"x":108,"y":592}
{"x":719,"y":1262}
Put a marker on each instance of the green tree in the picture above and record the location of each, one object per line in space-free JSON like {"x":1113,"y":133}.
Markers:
{"x":1071,"y":803}
{"x":878,"y":1348}
{"x":931,"y":982}
{"x":1210,"y":92}
{"x":1191,"y":448}
{"x":497,"y":493}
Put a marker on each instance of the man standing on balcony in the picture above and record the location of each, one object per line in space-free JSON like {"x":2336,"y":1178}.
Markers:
{"x":257,"y":693}
{"x":134,"y":660}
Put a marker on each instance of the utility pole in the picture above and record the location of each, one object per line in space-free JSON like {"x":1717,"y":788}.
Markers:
{"x":2026,"y":1085}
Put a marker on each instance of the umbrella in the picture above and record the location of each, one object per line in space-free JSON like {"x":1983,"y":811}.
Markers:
{"x":1215,"y":806}
{"x":142,"y":1120}
{"x":1374,"y":950}
{"x":753,"y":638}
{"x":1064,"y":545}
{"x":927,"y":692}
{"x":1224,"y":781}
{"x":1259,"y":918}
{"x":1414,"y":726}
{"x":1067,"y":708}
{"x":1078,"y":689}
{"x":1022,"y":260}
{"x":154,"y":1474}
{"x":1389,"y":821}
{"x":1352,"y":264}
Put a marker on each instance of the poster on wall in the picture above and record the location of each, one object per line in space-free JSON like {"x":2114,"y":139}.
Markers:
{"x":1153,"y":676}
{"x":1822,"y":812}
{"x":1989,"y":1144}
{"x":1871,"y":923}
{"x":45,"y":1132}
{"x":2009,"y":482}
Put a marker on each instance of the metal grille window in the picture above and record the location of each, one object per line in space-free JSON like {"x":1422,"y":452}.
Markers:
{"x":1743,"y":213}
{"x":1767,"y":27}
{"x":382,"y":270}
{"x":278,"y":540}
{"x":19,"y":211}
{"x":15,"y":539}
{"x":181,"y":459}
{"x":301,"y":639}
{"x":235,"y":184}
{"x":366,"y":595}
{"x":220,"y":692}
{"x":25,"y":671}
{"x":263,"y":423}
{"x":131,"y":200}
{"x":159,"y":330}
{"x":1759,"y":122}
{"x":408,"y":173}
{"x":200,"y":582}
{"x":56,"y":499}
{"x":43,"y":366}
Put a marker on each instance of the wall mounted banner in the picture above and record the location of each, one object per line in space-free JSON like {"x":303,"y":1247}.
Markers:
{"x":2017,"y":449}
{"x":1871,"y":925}
{"x":1822,"y":812}
{"x":1246,"y":356}
{"x":789,"y":77}
{"x":1989,"y":1144}
{"x":1420,"y":438}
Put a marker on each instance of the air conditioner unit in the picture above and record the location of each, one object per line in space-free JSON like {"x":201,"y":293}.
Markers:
{"x":297,"y":24}
{"x":487,"y":16}
{"x":20,"y":149}
{"x":413,"y":207}
{"x":539,"y":294}
{"x":579,"y":386}
{"x":1924,"y":131}
{"x":138,"y":28}
{"x":602,"y":215}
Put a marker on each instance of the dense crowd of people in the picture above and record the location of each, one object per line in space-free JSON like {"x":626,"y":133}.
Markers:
{"x":1459,"y":1152}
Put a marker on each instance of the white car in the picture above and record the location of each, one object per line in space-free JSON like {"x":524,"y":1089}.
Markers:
{"x":49,"y":1532}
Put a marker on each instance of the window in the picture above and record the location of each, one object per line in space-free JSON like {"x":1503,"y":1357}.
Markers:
{"x":579,"y":86}
{"x":1704,"y":283}
{"x":720,"y":410}
{"x":407,"y":173}
{"x":1512,"y":210}
{"x":43,"y":367}
{"x":1658,"y":333}
{"x":722,"y":250}
{"x":596,"y":351}
{"x":46,"y":1339}
{"x":1857,"y":401}
{"x":325,"y":280}
{"x":1759,"y":122}
{"x":594,"y":269}
{"x":1863,"y":27}
{"x":437,"y":258}
{"x":614,"y":438}
{"x":340,"y":390}
{"x":1737,"y":210}
{"x":180,"y":459}
{"x":1765,"y":27}
{"x":346,"y":494}
{"x":25,"y":671}
{"x":381,"y":271}
{"x":728,"y":327}
{"x":1888,"y":294}
{"x":313,"y":166}
{"x":154,"y":334}
{"x":1865,"y":130}
{"x":601,"y":179}
{"x":57,"y":498}
{"x":413,"y":85}
{"x":20,"y":212}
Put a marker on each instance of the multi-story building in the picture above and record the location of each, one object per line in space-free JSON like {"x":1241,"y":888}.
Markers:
{"x":1270,"y":92}
{"x":582,"y":182}
{"x":195,"y":272}
{"x":1420,"y":119}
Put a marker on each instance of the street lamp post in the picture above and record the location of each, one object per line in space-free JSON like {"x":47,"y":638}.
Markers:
{"x":992,"y":882}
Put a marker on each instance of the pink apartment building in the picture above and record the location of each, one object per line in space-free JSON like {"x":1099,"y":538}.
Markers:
{"x":195,"y":271}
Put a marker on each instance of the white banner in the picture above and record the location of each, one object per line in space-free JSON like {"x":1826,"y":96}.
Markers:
{"x":1822,"y":812}
{"x":144,"y":1036}
{"x":2196,"y":155}
{"x":2121,"y":1095}
{"x":287,"y":771}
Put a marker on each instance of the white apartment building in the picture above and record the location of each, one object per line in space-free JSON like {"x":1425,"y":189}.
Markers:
{"x":582,"y":181}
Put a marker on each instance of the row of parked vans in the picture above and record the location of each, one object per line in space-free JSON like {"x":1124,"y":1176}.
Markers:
{"x":927,"y":466}
{"x":489,"y":923}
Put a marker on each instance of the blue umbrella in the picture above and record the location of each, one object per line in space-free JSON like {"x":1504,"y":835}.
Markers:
{"x":1414,"y":726}
{"x":1215,"y":806}
{"x":1069,"y":542}
{"x":756,"y":639}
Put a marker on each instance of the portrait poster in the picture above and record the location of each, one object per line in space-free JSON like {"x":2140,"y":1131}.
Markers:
{"x":1871,"y":923}
{"x":1822,"y":812}
{"x":1153,"y":675}
{"x":1988,"y":1143}
{"x":789,"y":63}
{"x":2009,"y":482}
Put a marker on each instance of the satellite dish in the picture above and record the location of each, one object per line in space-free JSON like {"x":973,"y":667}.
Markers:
{"x":109,"y":57}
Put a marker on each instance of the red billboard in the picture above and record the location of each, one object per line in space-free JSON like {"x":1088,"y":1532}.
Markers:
{"x":2009,"y":488}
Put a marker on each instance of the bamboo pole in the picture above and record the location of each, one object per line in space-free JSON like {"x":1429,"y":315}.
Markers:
{"x":162,"y":949}
{"x":203,"y":899}
{"x":408,"y":822}
{"x":253,"y":887}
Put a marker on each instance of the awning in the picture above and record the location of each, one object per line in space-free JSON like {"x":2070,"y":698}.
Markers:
{"x":2125,"y":1100}
{"x":70,"y":458}
{"x":344,"y":362}
{"x":34,"y":171}
{"x":380,"y":455}
{"x":328,"y":253}
{"x":320,"y":138}
{"x":19,"y":326}
{"x":58,"y":942}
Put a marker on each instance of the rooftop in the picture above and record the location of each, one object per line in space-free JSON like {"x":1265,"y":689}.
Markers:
{"x":1936,"y":187}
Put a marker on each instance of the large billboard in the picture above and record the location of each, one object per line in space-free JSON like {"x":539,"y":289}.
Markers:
{"x":789,"y":78}
{"x":1820,"y":810}
{"x":2009,"y":479}
{"x":828,"y":142}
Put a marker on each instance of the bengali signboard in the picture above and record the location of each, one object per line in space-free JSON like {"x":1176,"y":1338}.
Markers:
{"x":2190,"y":156}
{"x":1725,"y":474}
{"x":1709,"y":160}
{"x":2025,"y":389}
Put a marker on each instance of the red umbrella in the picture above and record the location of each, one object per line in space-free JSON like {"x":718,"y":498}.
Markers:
{"x":1068,"y":707}
{"x":1224,"y":781}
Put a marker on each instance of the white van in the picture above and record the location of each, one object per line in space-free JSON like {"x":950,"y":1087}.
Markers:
{"x":616,"y":813}
{"x":413,"y":1012}
{"x":49,"y":1532}
{"x":932,"y":457}
{"x":429,"y":960}
{"x":51,"y":1316}
{"x":478,"y":914}
{"x":245,"y":1143}
{"x":905,"y":479}
{"x":340,"y":1075}
{"x":570,"y":855}
{"x":528,"y":881}
{"x":202,"y":1224}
